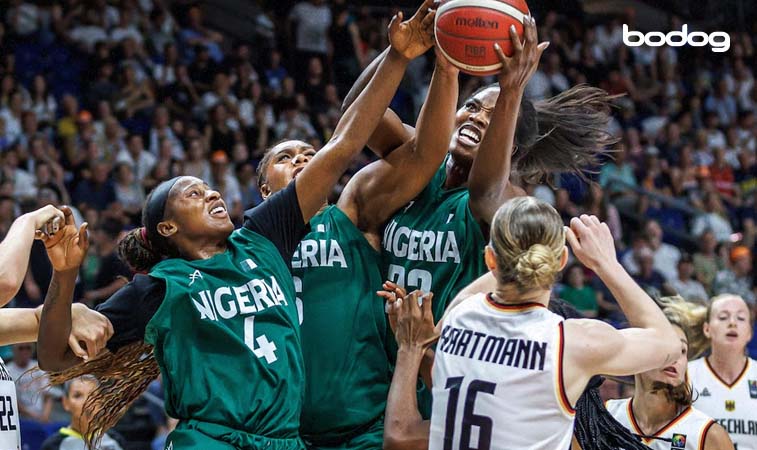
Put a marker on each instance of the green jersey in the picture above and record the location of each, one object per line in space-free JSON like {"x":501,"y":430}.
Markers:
{"x":336,"y":275}
{"x":434,"y":243}
{"x":226,"y":337}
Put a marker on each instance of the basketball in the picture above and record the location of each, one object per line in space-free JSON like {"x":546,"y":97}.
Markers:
{"x":466,"y":31}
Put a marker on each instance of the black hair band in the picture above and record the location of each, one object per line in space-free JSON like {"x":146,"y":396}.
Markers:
{"x":156,"y":207}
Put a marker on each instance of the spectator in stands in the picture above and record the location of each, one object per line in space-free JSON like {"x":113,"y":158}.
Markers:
{"x":665,"y":256}
{"x":34,"y":402}
{"x":722,"y":103}
{"x":98,"y":191}
{"x":141,"y":161}
{"x":714,"y":219}
{"x":197,"y":34}
{"x":576,"y":292}
{"x":112,"y":274}
{"x":647,"y":276}
{"x":738,"y":278}
{"x":311,"y":20}
{"x":42,"y":101}
{"x":618,"y":179}
{"x":221,"y":131}
{"x":224,"y":181}
{"x":685,"y":285}
{"x":160,"y":130}
{"x":71,"y":437}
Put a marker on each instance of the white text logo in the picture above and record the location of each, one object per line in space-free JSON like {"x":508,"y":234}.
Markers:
{"x":720,"y":41}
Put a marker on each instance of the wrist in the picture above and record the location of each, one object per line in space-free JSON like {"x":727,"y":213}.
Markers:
{"x":397,"y":57}
{"x":608,"y":270}
{"x":67,"y":274}
{"x":415,"y":351}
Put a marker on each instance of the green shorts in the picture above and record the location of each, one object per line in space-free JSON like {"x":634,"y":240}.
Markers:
{"x":208,"y":436}
{"x":370,"y":439}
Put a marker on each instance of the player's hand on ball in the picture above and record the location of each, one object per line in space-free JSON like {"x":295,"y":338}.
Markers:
{"x":415,"y":36}
{"x":90,"y":331}
{"x":592,"y":242}
{"x":518,"y":69}
{"x":68,"y":247}
{"x":415,"y":322}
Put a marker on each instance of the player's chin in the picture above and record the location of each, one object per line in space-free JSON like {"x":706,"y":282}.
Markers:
{"x":463,"y":153}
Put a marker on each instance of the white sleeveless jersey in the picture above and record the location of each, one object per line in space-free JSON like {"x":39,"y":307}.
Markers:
{"x":498,"y":379}
{"x":688,"y":431}
{"x":10,"y":434}
{"x":732,"y":406}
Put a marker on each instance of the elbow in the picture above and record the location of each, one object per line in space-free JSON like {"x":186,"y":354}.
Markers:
{"x":9,"y":287}
{"x":394,"y":440}
{"x":398,"y":435}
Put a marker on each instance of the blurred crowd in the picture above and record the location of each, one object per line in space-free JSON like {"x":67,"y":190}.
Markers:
{"x":102,"y":100}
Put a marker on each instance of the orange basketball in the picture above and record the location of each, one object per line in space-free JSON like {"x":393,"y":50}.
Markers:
{"x":466,"y":31}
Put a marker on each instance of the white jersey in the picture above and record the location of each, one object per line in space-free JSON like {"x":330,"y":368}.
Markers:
{"x":687,"y":431}
{"x":732,"y":406}
{"x":498,"y":379}
{"x":10,"y":434}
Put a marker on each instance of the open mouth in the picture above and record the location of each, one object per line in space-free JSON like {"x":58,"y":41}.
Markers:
{"x":670,"y":371}
{"x":732,"y":335}
{"x":469,"y":135}
{"x":219,"y":210}
{"x":297,"y":171}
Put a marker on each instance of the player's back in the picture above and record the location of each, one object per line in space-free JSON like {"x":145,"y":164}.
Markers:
{"x":498,"y":379}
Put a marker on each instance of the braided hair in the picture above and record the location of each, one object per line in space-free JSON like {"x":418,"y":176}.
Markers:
{"x":595,"y":427}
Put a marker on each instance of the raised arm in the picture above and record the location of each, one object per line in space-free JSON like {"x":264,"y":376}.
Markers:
{"x":66,"y":251}
{"x":593,"y":347}
{"x":390,"y":132}
{"x":317,"y":180}
{"x":404,"y":428}
{"x":15,"y":249}
{"x":384,"y":186}
{"x":489,"y":179}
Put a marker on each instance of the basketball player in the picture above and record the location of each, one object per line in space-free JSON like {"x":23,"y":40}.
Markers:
{"x":22,"y":324}
{"x":661,"y":410}
{"x":337,"y":269}
{"x":337,"y":266}
{"x":726,"y":380}
{"x":435,"y":243}
{"x":502,"y":359}
{"x":218,"y":309}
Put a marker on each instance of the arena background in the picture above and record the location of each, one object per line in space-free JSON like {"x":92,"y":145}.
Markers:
{"x":101,"y":100}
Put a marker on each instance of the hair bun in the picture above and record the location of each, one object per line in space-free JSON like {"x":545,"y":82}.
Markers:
{"x":537,"y":267}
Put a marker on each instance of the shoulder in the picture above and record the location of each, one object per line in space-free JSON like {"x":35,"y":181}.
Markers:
{"x":714,"y":436}
{"x":616,"y":406}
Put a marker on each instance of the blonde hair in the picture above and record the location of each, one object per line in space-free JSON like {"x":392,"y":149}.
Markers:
{"x":690,"y":317}
{"x":528,"y":240}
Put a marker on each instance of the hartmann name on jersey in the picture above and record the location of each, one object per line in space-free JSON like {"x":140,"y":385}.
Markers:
{"x":522,"y":353}
{"x":229,"y":301}
{"x":421,"y":245}
{"x":739,"y":426}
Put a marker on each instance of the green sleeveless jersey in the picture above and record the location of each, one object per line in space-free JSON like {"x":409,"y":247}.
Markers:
{"x":336,"y":275}
{"x":434,"y":243}
{"x":226,"y":337}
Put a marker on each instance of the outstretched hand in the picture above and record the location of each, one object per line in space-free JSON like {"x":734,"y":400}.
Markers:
{"x":410,"y":316}
{"x":518,"y":68}
{"x":415,"y":36}
{"x":592,"y":242}
{"x":68,"y":247}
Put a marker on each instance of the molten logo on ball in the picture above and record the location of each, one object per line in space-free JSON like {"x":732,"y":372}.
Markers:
{"x":720,"y":41}
{"x":476,"y":22}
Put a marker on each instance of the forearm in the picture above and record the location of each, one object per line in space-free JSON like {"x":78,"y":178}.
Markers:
{"x":55,"y":322}
{"x":640,"y":310}
{"x":19,"y":325}
{"x":350,"y":136}
{"x":363,"y":80}
{"x":404,"y":428}
{"x":490,"y":172}
{"x":14,"y":257}
{"x":437,"y":117}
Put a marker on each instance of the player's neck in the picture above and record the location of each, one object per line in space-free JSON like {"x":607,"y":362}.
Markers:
{"x":457,"y":173}
{"x":507,"y":295}
{"x":205,"y":250}
{"x":652,"y":409}
{"x":727,"y":364}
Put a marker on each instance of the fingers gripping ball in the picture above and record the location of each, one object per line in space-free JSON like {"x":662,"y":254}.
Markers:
{"x":466,"y":31}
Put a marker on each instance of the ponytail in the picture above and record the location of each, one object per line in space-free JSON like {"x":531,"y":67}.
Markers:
{"x":135,"y":250}
{"x":570,"y":133}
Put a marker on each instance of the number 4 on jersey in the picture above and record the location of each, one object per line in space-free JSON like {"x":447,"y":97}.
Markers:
{"x":265,"y":348}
